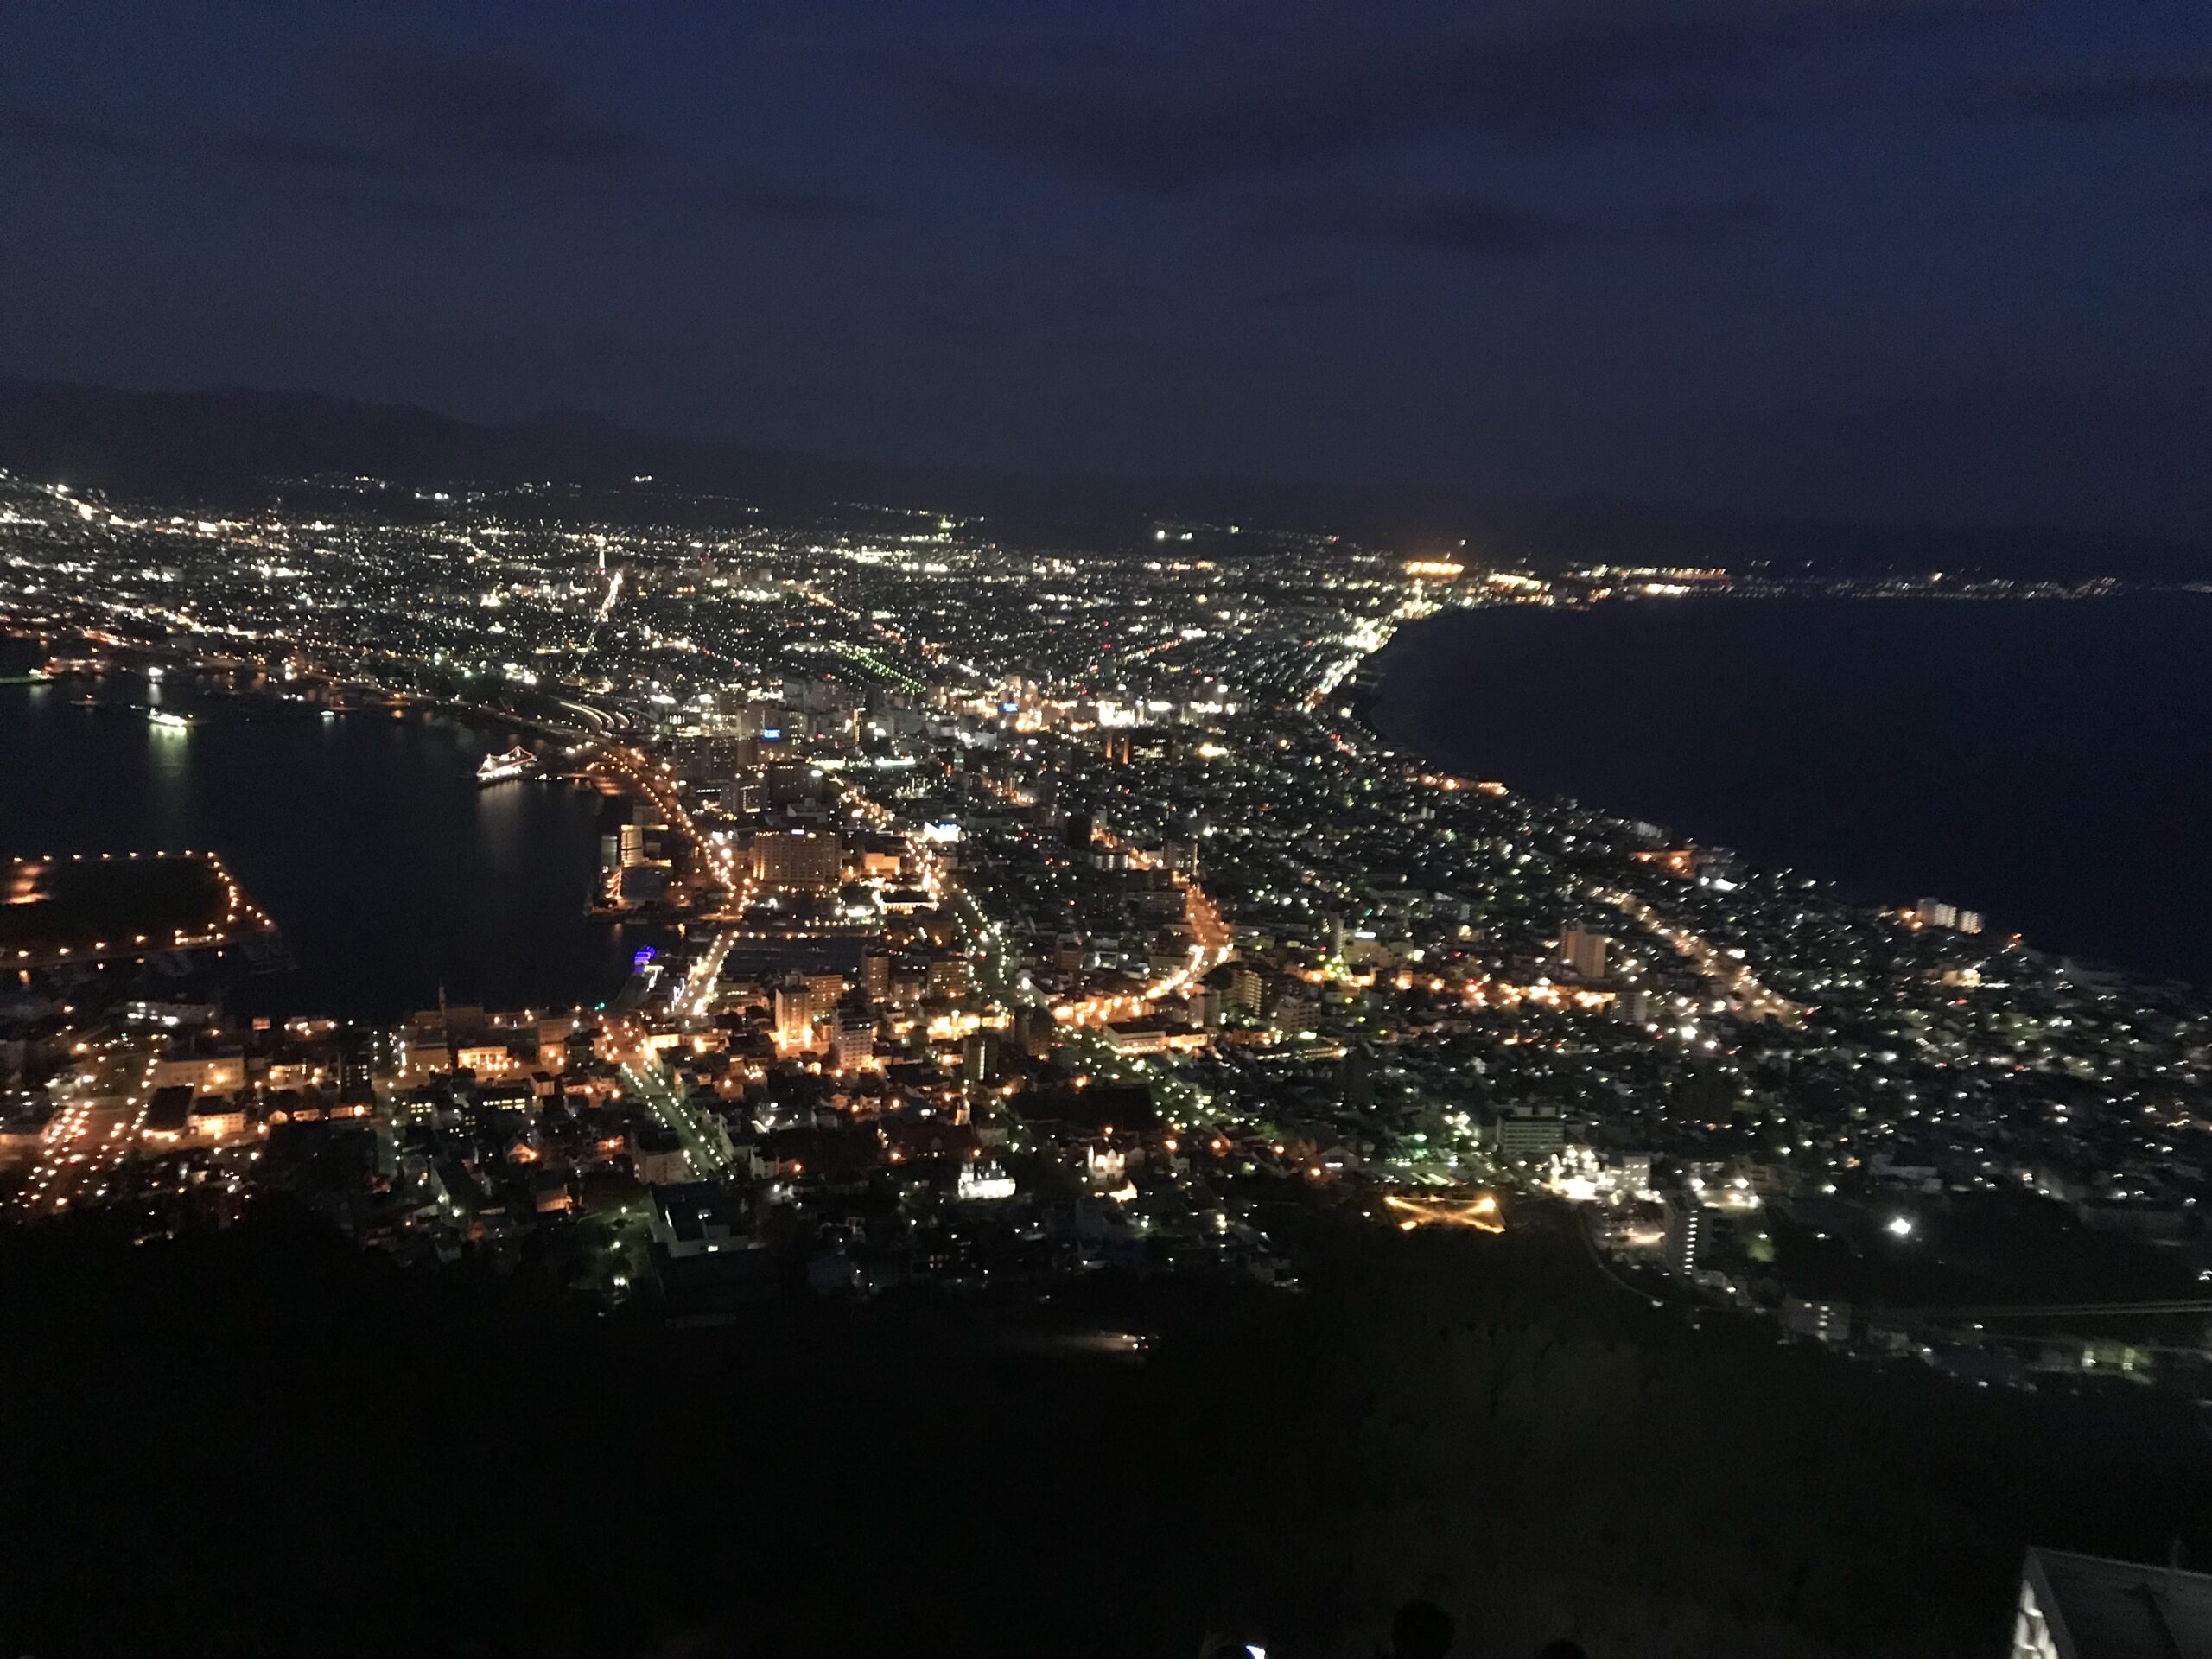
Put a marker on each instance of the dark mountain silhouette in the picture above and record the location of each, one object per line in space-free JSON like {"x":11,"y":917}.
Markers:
{"x":230,"y":444}
{"x":232,"y":439}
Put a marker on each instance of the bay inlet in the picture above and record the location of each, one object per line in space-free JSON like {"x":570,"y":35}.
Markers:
{"x":387,"y":867}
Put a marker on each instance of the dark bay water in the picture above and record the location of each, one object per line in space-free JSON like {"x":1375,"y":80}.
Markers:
{"x":366,"y":838}
{"x":2047,"y":763}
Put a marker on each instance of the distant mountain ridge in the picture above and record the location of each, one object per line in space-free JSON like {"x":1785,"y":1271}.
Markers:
{"x":227,"y":438}
{"x":226,"y":444}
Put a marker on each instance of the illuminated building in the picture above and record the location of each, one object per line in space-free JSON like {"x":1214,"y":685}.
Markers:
{"x":1685,"y":1222}
{"x":1933,"y":912}
{"x":854,"y":1039}
{"x":1246,"y":989}
{"x":1584,"y":952}
{"x":207,"y":1073}
{"x":1528,"y":1134}
{"x":983,"y":1182}
{"x":1128,"y":1038}
{"x":217,"y":1117}
{"x":1580,"y":1175}
{"x":794,"y":1014}
{"x":797,"y":861}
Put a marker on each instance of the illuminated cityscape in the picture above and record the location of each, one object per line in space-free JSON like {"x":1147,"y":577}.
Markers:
{"x":983,"y":830}
{"x":1064,"y":894}
{"x":1018,"y":919}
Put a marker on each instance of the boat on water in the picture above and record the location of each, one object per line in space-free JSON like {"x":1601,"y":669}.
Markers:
{"x":516,"y":762}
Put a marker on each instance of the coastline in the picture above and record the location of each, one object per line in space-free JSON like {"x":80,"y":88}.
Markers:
{"x":1961,"y":804}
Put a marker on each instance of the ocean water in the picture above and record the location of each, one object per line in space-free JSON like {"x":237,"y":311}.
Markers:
{"x":2046,"y":762}
{"x":366,"y":838}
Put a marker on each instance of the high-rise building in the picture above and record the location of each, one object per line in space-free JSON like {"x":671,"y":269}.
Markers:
{"x":979,"y":1056}
{"x":1584,"y":952}
{"x":1685,"y":1222}
{"x":794,"y":1014}
{"x":1246,"y":988}
{"x":855,"y":1038}
{"x":875,"y":973}
{"x":706,"y":758}
{"x":797,"y":861}
{"x":1933,"y":912}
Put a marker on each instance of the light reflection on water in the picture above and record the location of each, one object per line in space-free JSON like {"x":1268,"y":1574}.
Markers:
{"x":368,"y":839}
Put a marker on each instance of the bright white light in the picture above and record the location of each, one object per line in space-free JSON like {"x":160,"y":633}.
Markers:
{"x":1901,"y":1226}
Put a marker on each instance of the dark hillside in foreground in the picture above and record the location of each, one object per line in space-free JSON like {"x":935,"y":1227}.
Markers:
{"x":224,"y":446}
{"x":261,"y":1443}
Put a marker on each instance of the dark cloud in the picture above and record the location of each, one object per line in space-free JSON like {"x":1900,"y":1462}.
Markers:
{"x":408,"y":130}
{"x":1278,"y":94}
{"x":1454,"y":222}
{"x":2110,"y":94}
{"x":756,"y":197}
{"x":398,"y":210}
{"x":472,"y":108}
{"x":1435,"y":223}
{"x":27,"y":130}
{"x":258,"y":147}
{"x":303,"y":152}
{"x":1687,"y":224}
{"x":1520,"y":220}
{"x":1299,"y":296}
{"x":412,"y":112}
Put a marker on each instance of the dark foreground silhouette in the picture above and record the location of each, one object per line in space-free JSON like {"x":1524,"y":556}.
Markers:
{"x":265,"y":1443}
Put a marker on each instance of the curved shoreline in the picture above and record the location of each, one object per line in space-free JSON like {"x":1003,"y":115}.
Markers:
{"x":1878,"y":786}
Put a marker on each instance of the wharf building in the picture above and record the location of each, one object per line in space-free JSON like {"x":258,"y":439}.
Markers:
{"x":2086,"y":1607}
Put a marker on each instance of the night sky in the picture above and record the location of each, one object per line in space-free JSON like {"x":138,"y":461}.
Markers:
{"x":1936,"y":259}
